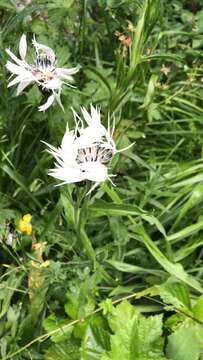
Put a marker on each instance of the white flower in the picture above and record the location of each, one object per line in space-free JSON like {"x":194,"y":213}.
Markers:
{"x":44,"y":73}
{"x":21,"y":5}
{"x":9,"y":239}
{"x":84,"y":153}
{"x":92,"y":131}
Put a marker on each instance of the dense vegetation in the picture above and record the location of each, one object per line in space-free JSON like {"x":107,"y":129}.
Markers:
{"x":117,"y":274}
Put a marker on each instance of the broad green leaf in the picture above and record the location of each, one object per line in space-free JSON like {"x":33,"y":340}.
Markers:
{"x":183,"y":344}
{"x":175,"y":293}
{"x":134,"y":336}
{"x":80,"y":299}
{"x":96,"y":339}
{"x":198,"y":309}
{"x":51,"y":323}
{"x":123,"y":315}
{"x":7,"y":290}
{"x":69,"y":209}
{"x":148,"y":342}
{"x":68,"y":350}
{"x":199,"y":19}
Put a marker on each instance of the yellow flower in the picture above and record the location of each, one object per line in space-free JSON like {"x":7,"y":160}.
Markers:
{"x":25,"y":225}
{"x":45,"y":263}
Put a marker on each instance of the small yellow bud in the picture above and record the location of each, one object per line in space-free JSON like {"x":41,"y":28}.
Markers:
{"x":25,"y":225}
{"x":27,"y":217}
{"x":45,"y":264}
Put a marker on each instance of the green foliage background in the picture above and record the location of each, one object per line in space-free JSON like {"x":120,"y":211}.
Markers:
{"x":125,"y":274}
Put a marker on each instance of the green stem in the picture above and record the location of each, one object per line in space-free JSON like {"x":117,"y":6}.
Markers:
{"x":82,"y":27}
{"x":80,"y":216}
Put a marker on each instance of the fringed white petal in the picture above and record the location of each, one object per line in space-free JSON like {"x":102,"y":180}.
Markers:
{"x":15,"y":81}
{"x":15,"y":69}
{"x":23,"y":47}
{"x":67,"y":77}
{"x":67,"y":174}
{"x":45,"y":49}
{"x":17,"y":61}
{"x":48,"y":103}
{"x":87,"y":138}
{"x":95,"y":114}
{"x":67,"y":153}
{"x":92,"y":188}
{"x":58,"y":99}
{"x":68,"y":71}
{"x":125,"y":148}
{"x":86,"y":116}
{"x":53,"y":84}
{"x":22,"y":86}
{"x":68,"y":140}
{"x":93,"y":120}
{"x":94,"y":171}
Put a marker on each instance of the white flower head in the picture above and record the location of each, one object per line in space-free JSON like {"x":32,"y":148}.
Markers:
{"x":86,"y":152}
{"x":44,"y":72}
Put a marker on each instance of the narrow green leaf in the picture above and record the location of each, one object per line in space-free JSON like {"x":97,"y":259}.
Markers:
{"x":173,"y":269}
{"x":121,"y":266}
{"x":100,"y":208}
{"x":187,"y":231}
{"x":13,"y":174}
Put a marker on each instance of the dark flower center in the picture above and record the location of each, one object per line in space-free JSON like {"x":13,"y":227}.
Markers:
{"x":94,"y":153}
{"x":43,"y":61}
